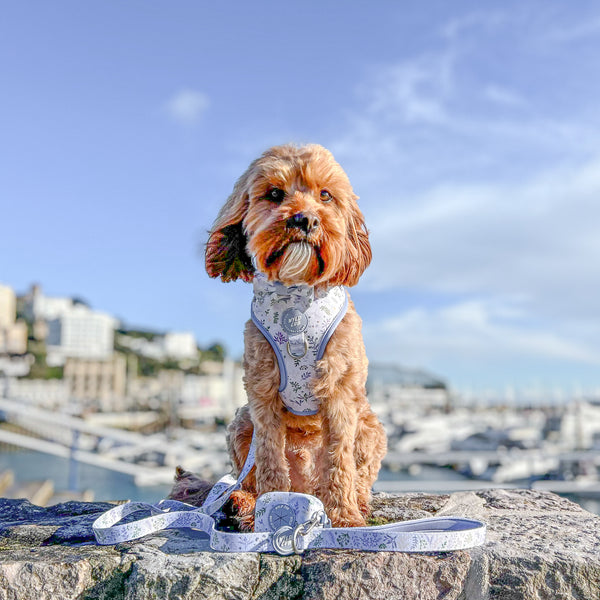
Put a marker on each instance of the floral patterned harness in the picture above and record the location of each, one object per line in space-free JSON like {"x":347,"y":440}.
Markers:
{"x":298,"y":322}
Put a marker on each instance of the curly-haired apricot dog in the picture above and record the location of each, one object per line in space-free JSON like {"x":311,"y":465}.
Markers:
{"x":292,"y":227}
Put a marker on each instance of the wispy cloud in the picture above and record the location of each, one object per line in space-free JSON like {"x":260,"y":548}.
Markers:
{"x":577,"y":31}
{"x":464,"y":24}
{"x":412,"y":91}
{"x":503,"y":96}
{"x":535,"y":236}
{"x":187,"y":106}
{"x":476,"y":187}
{"x":477,"y":330}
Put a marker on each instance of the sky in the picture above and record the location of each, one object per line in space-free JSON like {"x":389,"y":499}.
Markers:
{"x":470,"y":131}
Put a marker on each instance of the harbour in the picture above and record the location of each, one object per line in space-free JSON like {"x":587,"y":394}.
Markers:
{"x":55,"y":456}
{"x":110,"y":486}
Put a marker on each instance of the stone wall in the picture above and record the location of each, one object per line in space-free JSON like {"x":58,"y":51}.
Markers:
{"x":539,"y":546}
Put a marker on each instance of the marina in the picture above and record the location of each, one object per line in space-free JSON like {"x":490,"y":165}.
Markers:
{"x":546,"y":449}
{"x":89,"y":406}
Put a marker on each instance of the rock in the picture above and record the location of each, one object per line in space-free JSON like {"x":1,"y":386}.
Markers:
{"x":539,"y":546}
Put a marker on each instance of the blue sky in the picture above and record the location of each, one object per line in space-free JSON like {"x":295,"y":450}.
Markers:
{"x":471,"y":132}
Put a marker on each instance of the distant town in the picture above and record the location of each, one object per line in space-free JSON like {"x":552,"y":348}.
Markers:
{"x":78,"y":384}
{"x":60,"y":354}
{"x":57,"y":350}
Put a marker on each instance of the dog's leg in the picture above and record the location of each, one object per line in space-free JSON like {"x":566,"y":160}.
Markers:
{"x":341,"y":389}
{"x":266,"y":410}
{"x":339,"y":478}
{"x":239,"y":437}
{"x":241,"y":502}
{"x":272,"y":470}
{"x":370,"y":448}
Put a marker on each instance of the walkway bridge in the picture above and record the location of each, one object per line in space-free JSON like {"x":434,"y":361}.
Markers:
{"x":149,"y":459}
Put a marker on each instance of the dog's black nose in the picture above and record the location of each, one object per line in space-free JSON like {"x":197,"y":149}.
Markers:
{"x":307,"y":223}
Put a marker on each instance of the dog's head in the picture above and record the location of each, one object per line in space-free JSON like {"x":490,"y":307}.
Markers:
{"x":293,"y":216}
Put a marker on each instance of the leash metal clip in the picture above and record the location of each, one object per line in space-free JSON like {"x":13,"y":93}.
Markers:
{"x":288,"y":540}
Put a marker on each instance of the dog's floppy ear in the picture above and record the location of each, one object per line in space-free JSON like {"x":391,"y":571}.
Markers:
{"x":226,"y":254}
{"x":358,"y":248}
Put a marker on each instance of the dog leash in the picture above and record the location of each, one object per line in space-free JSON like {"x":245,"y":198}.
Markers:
{"x":293,"y":523}
{"x":286,"y":523}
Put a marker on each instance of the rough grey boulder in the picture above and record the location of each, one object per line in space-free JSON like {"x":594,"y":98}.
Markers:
{"x":539,"y":546}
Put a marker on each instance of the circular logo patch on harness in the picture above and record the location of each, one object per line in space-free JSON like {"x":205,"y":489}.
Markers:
{"x":294,"y":321}
{"x":280,"y":515}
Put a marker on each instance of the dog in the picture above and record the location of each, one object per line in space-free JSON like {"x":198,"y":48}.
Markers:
{"x":292,"y":227}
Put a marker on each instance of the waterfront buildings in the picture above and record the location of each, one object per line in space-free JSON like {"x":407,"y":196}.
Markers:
{"x":80,"y":333}
{"x":13,"y":332}
{"x":75,"y":356}
{"x":7,"y":306}
{"x":39,"y":307}
{"x":100,"y":381}
{"x":180,"y":345}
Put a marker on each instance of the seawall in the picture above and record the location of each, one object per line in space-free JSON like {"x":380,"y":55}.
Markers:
{"x":539,"y":546}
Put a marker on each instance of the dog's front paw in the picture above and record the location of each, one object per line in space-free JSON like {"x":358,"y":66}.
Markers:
{"x":240,"y":507}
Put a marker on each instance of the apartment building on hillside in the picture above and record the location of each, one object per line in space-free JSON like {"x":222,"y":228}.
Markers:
{"x":13,"y":332}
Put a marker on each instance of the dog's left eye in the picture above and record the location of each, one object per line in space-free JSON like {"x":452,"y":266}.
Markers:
{"x":275,"y":195}
{"x":326,"y":196}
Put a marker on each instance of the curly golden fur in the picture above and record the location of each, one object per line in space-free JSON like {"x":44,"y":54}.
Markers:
{"x":294,"y":215}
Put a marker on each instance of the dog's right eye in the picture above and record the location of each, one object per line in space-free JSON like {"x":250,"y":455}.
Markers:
{"x":275,"y":195}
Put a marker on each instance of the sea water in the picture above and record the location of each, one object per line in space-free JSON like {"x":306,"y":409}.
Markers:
{"x":109,"y":485}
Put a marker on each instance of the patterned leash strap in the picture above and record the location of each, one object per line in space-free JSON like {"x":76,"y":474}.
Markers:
{"x":287,"y":523}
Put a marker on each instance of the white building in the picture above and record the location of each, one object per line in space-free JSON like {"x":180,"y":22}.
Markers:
{"x":140,"y":345}
{"x":13,"y":333}
{"x":50,"y":393}
{"x":38,"y":307}
{"x":180,"y":345}
{"x":8,"y":303}
{"x":216,"y":394}
{"x":15,"y":366}
{"x":80,"y":332}
{"x":174,"y":345}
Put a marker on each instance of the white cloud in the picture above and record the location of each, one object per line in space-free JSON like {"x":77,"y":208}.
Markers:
{"x":577,"y":31}
{"x":412,"y":91}
{"x":478,"y":331}
{"x":481,"y":191}
{"x":187,"y":106}
{"x":537,"y":238}
{"x":503,"y":96}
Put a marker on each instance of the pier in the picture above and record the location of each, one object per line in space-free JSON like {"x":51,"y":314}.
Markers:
{"x":149,"y":459}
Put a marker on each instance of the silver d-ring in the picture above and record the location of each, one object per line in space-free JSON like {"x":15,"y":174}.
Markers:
{"x":298,"y":356}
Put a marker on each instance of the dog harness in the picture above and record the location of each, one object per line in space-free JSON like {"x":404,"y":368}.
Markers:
{"x":298,"y":322}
